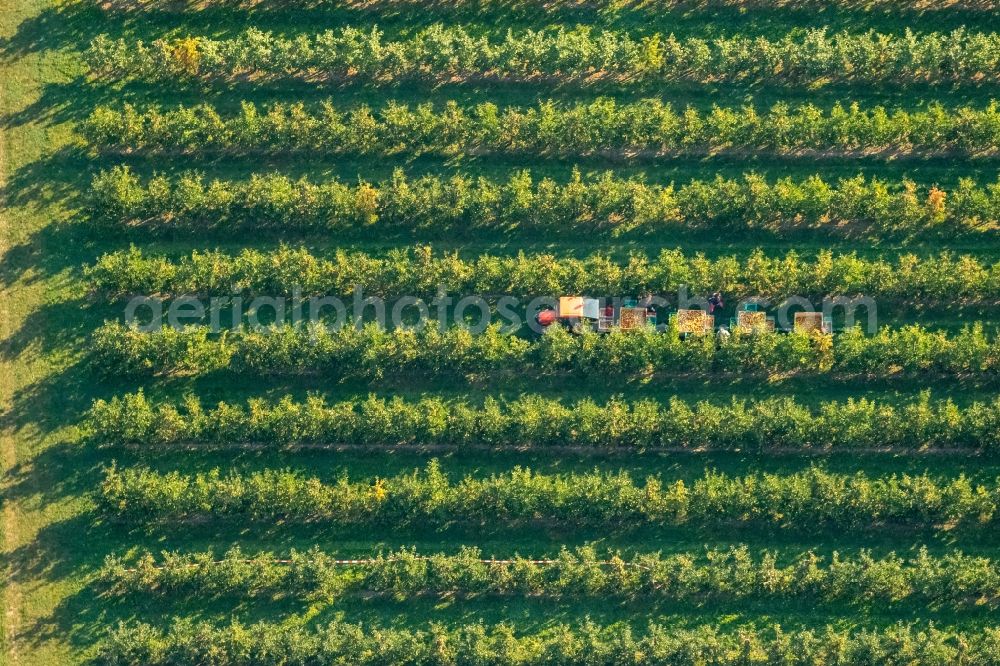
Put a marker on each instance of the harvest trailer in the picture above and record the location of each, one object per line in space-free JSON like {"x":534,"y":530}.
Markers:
{"x":579,"y":313}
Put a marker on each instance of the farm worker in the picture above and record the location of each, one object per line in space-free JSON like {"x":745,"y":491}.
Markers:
{"x":715,"y":303}
{"x":646,"y":302}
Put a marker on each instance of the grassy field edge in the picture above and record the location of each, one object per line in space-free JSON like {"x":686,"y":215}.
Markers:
{"x":23,"y":75}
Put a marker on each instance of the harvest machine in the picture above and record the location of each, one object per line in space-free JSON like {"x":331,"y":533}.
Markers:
{"x":577,"y":313}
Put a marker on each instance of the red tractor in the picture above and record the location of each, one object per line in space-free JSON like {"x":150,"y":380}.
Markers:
{"x":577,"y":313}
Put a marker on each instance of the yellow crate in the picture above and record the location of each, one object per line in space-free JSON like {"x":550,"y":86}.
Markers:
{"x":807,"y":322}
{"x":752,"y":321}
{"x":632,"y":318}
{"x":694,"y":322}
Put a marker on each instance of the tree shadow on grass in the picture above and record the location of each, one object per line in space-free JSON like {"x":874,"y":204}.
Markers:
{"x":533,"y":614}
{"x":70,"y":552}
{"x":60,"y":177}
{"x":33,"y":261}
{"x":63,"y":395}
{"x":67,"y":25}
{"x":74,"y":100}
{"x":545,"y":538}
{"x":52,"y":188}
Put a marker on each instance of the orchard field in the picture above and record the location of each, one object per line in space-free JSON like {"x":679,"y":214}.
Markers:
{"x":368,"y":496}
